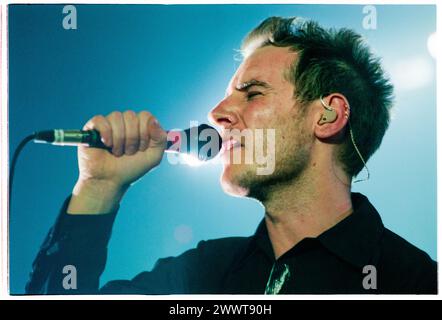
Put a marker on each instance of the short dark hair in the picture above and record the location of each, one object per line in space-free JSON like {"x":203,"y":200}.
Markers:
{"x":334,"y":60}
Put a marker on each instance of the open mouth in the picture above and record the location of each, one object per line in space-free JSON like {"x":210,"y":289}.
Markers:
{"x":230,"y":144}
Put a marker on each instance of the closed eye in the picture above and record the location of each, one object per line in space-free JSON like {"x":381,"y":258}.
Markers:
{"x":252,"y":94}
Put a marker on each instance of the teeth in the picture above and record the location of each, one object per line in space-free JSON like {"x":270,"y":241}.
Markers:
{"x":230,"y":144}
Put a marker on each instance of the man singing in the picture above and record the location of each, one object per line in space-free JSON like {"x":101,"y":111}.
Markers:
{"x":327,"y":99}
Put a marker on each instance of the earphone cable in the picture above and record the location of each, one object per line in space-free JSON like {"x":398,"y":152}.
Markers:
{"x":359,"y":154}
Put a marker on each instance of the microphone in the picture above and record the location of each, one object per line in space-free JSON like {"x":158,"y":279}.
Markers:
{"x":189,"y":141}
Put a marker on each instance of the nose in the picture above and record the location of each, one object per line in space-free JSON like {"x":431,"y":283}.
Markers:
{"x":223,"y":115}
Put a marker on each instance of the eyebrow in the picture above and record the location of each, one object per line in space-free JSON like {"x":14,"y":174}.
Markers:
{"x":244,"y":86}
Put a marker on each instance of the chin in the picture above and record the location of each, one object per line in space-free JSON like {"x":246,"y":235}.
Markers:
{"x":230,"y":181}
{"x":238,"y":180}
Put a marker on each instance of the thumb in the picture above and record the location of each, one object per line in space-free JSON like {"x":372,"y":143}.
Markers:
{"x":158,"y":136}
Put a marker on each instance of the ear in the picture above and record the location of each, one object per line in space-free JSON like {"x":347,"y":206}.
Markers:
{"x":333,"y":117}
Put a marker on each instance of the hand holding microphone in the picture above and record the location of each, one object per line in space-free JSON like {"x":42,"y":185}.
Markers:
{"x":137,"y":143}
{"x":125,"y":146}
{"x":116,"y":150}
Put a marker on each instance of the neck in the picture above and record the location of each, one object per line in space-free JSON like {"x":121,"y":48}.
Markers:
{"x":307,"y":207}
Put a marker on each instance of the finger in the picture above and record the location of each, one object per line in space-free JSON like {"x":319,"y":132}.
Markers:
{"x":144,"y":118}
{"x":157,"y":135}
{"x":132,"y":135}
{"x":102,"y":125}
{"x":118,"y":132}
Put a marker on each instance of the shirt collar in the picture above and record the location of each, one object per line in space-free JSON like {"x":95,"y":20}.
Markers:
{"x":354,"y":239}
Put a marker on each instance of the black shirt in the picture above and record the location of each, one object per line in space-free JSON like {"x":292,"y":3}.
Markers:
{"x":356,"y":256}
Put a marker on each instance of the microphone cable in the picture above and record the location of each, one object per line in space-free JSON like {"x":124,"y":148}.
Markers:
{"x":17,"y":152}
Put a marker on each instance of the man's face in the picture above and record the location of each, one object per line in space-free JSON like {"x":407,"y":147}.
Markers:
{"x":260,"y":96}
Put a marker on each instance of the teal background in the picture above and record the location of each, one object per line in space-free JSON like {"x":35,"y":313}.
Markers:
{"x":176,"y":62}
